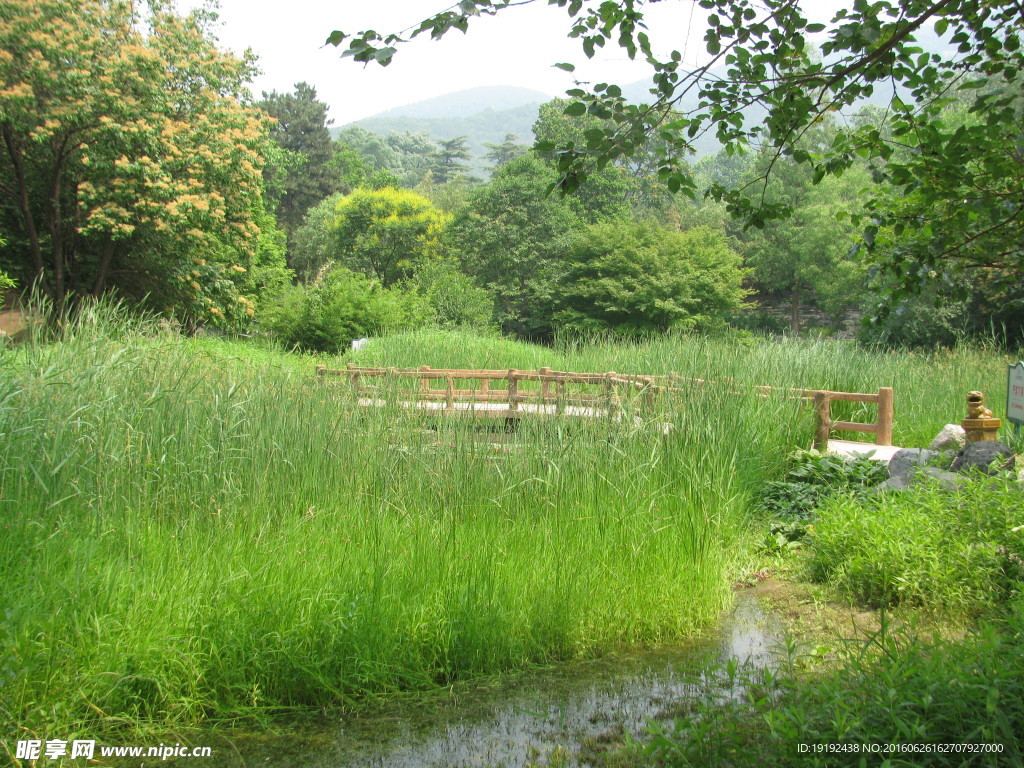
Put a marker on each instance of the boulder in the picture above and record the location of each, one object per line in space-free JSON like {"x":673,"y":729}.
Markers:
{"x":987,"y":456}
{"x":893,"y":484}
{"x":902,"y":464}
{"x":946,"y":480}
{"x":951,"y":438}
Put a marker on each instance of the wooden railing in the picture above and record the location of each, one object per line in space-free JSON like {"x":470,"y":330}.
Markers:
{"x":882,"y":428}
{"x":553,"y":397}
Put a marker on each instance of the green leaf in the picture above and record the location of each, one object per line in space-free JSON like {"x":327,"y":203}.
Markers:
{"x":594,"y":136}
{"x":335,"y":38}
{"x":566,"y":66}
{"x":576,"y":109}
{"x":384,"y":55}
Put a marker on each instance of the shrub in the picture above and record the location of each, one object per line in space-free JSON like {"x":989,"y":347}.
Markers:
{"x":956,"y":551}
{"x":340,"y":307}
{"x":455,"y":300}
{"x":789,"y":504}
{"x":815,"y":477}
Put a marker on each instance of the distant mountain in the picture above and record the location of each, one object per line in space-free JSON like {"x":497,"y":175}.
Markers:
{"x":487,"y":114}
{"x":466,"y":103}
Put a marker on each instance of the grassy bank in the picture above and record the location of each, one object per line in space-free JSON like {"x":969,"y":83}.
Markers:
{"x":192,"y":536}
{"x":199,"y":530}
{"x":930,"y":561}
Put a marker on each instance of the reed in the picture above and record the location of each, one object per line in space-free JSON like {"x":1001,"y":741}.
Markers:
{"x":194,"y":537}
{"x":193,"y":531}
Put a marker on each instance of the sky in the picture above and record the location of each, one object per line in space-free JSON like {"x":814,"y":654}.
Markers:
{"x":518,"y":47}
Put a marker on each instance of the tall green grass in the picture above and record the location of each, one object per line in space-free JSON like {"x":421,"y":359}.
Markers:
{"x":195,"y":531}
{"x":930,"y":387}
{"x":191,"y":537}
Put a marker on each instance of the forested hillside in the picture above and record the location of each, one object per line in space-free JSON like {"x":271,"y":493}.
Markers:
{"x":136,"y":163}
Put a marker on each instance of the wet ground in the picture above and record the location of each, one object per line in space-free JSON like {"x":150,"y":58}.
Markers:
{"x":541,"y":718}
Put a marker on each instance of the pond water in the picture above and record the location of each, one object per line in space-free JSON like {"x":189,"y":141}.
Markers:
{"x":561,"y":711}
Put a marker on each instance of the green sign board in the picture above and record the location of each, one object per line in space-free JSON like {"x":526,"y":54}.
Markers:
{"x":1015,"y":394}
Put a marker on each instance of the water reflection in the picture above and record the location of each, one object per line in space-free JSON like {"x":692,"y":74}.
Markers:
{"x":526,"y":719}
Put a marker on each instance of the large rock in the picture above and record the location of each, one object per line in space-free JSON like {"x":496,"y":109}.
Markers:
{"x":988,"y":456}
{"x":951,"y":438}
{"x":903,"y":463}
{"x":946,"y":480}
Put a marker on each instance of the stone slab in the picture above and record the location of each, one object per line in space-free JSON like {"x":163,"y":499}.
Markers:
{"x":854,"y":449}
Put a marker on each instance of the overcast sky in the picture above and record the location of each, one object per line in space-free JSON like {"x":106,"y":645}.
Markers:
{"x":518,"y":48}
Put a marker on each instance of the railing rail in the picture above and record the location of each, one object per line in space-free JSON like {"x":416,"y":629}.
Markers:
{"x":647,"y":387}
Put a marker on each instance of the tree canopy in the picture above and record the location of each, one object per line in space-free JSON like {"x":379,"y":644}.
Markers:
{"x":510,"y":238}
{"x":386,"y":233}
{"x":634,"y":278}
{"x":968,"y":173}
{"x":129,"y":157}
{"x":308,"y":174}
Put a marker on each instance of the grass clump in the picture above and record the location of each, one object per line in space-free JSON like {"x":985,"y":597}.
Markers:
{"x":891,"y":687}
{"x":188,"y":537}
{"x":958,"y":551}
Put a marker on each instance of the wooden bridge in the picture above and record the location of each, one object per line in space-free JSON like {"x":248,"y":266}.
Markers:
{"x":546,"y":392}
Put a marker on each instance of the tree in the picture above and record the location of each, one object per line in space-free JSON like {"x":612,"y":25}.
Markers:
{"x":510,"y":238}
{"x":606,"y":193}
{"x":506,"y":152}
{"x":314,"y":245}
{"x":300,"y":129}
{"x":386,"y":233}
{"x":634,"y":277}
{"x":408,"y":156}
{"x":129,"y":160}
{"x":348,"y":168}
{"x":805,"y":256}
{"x":762,"y":54}
{"x":449,"y":160}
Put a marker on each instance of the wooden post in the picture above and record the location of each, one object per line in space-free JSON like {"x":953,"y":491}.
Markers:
{"x":320,"y":370}
{"x":560,"y":396}
{"x":649,"y":392}
{"x":610,"y":391}
{"x":513,"y":390}
{"x":449,"y":395}
{"x":545,"y":385}
{"x":885,"y":416}
{"x":354,"y":378}
{"x":823,"y":409}
{"x":424,"y":381}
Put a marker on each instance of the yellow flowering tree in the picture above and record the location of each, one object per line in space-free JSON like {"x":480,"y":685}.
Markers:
{"x":387,"y":233}
{"x":130,"y":157}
